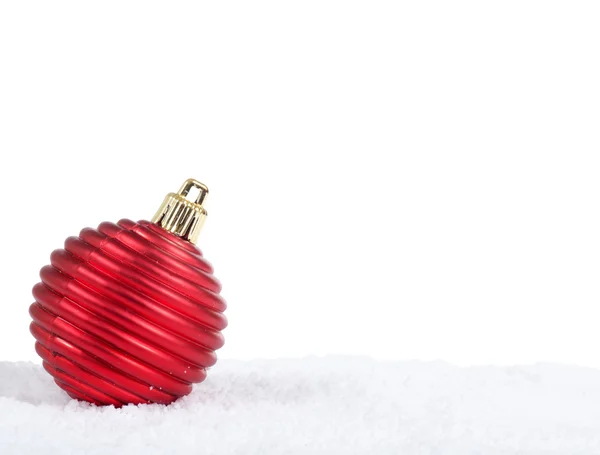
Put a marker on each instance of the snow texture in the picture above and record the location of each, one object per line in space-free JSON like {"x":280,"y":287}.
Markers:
{"x":331,"y":405}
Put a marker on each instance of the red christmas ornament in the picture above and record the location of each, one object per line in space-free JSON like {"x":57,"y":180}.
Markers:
{"x":130,"y":312}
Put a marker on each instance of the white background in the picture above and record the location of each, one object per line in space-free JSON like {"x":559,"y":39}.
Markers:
{"x":392,"y":179}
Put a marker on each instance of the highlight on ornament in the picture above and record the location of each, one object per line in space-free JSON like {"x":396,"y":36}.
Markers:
{"x":131,"y":312}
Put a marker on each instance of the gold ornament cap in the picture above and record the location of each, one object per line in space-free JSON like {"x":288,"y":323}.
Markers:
{"x":182,"y":216}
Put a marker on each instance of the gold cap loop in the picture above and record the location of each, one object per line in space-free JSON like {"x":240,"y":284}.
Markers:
{"x":182,"y":216}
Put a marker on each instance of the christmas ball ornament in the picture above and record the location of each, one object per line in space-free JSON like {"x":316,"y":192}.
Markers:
{"x":131,"y":312}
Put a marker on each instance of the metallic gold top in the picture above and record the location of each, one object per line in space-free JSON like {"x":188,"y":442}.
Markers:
{"x":182,"y":216}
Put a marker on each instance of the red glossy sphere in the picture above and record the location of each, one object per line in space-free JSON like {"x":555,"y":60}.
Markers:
{"x":127,"y":313}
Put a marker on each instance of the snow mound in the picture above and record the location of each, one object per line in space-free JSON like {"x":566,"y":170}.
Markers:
{"x":331,"y":405}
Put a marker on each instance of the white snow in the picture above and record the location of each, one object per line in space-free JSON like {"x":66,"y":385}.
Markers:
{"x":331,"y":405}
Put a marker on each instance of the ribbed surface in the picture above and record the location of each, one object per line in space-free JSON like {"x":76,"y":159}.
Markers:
{"x":127,"y":313}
